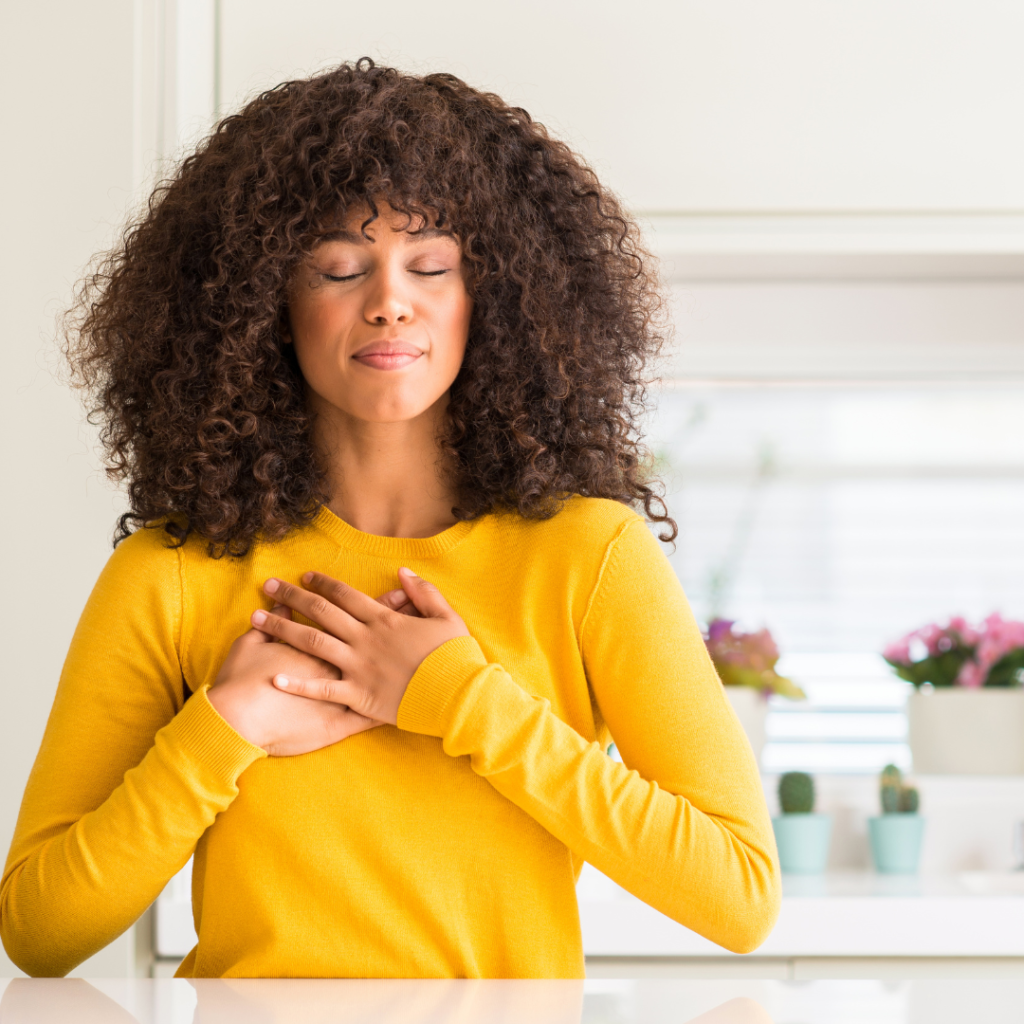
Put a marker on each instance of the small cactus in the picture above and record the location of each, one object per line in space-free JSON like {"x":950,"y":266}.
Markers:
{"x":796,"y":793}
{"x":897,"y":798}
{"x":890,"y":800}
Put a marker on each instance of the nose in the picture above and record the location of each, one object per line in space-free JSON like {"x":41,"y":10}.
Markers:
{"x":387,"y":301}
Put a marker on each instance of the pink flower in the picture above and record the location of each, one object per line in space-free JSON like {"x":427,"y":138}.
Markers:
{"x":971,"y":675}
{"x":932,"y":636}
{"x":981,"y":647}
{"x":968,"y":633}
{"x":999,"y":637}
{"x":898,"y":651}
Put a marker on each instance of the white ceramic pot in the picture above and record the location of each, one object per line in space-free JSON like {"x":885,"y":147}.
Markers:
{"x":956,"y":731}
{"x":752,"y":709}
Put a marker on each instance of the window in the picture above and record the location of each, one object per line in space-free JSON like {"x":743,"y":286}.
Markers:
{"x":843,"y":512}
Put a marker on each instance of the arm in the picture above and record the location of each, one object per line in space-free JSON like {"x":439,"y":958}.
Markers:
{"x":682,"y":824}
{"x":684,"y":827}
{"x":126,"y":780}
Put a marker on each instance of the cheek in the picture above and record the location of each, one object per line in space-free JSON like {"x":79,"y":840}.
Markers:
{"x":456,"y":332}
{"x":316,"y":322}
{"x":317,"y":330}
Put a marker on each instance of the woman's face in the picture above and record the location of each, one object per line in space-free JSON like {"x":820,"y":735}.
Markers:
{"x":380,"y":323}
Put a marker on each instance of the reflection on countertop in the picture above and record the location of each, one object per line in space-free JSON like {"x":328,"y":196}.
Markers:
{"x":596,"y":1001}
{"x":299,"y":1001}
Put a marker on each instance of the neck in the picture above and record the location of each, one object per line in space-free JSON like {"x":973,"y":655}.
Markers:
{"x":386,"y":478}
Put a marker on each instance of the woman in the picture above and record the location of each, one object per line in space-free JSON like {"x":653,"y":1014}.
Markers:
{"x":370,"y":365}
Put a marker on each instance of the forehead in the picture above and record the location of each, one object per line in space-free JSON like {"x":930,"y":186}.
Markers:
{"x":363,"y":226}
{"x":368,"y":235}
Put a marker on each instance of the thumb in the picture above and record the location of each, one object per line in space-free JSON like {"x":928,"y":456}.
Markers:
{"x":255,"y":636}
{"x":429,"y":601}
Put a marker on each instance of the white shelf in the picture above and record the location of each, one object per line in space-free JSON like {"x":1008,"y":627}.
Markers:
{"x":837,"y":245}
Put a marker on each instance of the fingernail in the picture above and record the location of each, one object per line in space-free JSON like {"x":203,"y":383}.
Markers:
{"x":271,"y":585}
{"x":282,"y":681}
{"x":259,"y":618}
{"x":409,"y":571}
{"x":307,"y":577}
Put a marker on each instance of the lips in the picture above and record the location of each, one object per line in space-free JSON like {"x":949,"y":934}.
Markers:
{"x":387,"y":355}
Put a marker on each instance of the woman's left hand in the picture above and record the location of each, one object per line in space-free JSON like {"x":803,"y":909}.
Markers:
{"x":376,"y":648}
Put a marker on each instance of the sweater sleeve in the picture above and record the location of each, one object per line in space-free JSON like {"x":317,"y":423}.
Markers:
{"x":126,"y":779}
{"x":682,"y":822}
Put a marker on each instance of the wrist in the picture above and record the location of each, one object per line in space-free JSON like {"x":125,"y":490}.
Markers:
{"x":232,"y":707}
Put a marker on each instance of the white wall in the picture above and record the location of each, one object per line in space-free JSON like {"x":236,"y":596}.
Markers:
{"x":66,"y":177}
{"x":708,"y":104}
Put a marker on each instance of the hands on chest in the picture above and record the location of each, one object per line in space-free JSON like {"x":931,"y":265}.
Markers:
{"x":319,"y":686}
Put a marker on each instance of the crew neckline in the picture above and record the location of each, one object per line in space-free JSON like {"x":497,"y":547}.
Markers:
{"x":391,"y":547}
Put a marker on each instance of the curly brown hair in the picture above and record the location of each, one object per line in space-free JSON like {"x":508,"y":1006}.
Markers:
{"x":178,"y":335}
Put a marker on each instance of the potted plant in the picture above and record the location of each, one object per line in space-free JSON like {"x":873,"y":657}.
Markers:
{"x":896,"y":835}
{"x":745,"y":663}
{"x":966,"y":713}
{"x":801,"y":835}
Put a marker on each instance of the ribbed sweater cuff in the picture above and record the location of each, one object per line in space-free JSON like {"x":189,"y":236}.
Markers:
{"x":443,"y":674}
{"x":205,"y":738}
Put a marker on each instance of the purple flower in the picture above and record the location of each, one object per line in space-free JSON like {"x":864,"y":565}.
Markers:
{"x":719,"y":629}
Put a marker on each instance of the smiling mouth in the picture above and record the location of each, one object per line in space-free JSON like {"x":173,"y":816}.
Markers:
{"x":387,"y":360}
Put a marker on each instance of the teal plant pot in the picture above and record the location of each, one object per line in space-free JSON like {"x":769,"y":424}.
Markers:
{"x":896,"y":843}
{"x":803,"y":841}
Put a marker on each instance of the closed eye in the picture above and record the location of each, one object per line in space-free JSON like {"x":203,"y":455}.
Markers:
{"x":419,"y":273}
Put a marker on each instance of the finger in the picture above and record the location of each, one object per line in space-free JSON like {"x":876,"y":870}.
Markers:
{"x":357,"y":604}
{"x":429,"y":601}
{"x":335,"y":691}
{"x":304,"y":638}
{"x":256,"y":636}
{"x":348,"y":722}
{"x":398,"y":601}
{"x":316,"y":608}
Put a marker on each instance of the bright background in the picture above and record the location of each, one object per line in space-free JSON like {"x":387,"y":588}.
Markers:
{"x":836,"y":193}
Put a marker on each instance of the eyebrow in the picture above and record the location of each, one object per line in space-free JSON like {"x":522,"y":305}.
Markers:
{"x":357,"y":238}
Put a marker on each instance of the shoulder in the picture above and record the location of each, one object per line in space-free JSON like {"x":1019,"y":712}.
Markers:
{"x":598,"y":518}
{"x":138,"y":593}
{"x":578,"y":539}
{"x":148,"y":551}
{"x":607,"y":530}
{"x":143,"y":572}
{"x":618,"y":540}
{"x":151,"y":562}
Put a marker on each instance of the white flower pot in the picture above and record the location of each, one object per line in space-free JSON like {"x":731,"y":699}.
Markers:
{"x":956,"y":731}
{"x":752,"y":709}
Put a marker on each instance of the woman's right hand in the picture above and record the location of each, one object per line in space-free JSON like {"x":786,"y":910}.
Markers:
{"x":282,"y":724}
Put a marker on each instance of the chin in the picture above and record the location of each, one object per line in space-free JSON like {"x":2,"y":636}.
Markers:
{"x":392,"y":412}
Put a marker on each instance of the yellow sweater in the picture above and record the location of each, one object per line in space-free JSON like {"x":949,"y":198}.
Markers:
{"x":447,"y":846}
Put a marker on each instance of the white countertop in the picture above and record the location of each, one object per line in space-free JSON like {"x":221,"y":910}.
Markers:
{"x":854,"y":914}
{"x":676,"y":1001}
{"x":973,"y":914}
